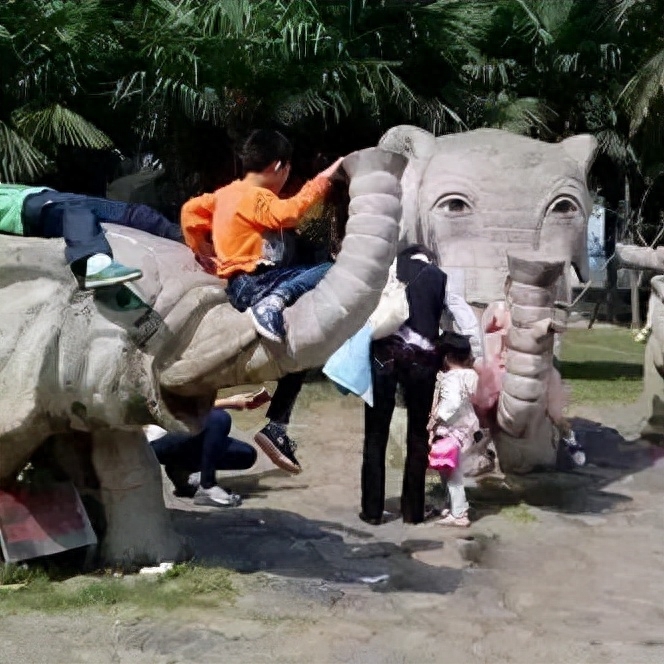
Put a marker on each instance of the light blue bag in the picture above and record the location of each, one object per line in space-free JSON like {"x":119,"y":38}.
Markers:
{"x":350,"y":367}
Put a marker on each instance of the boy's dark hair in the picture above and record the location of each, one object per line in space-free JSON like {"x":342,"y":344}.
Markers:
{"x":262,"y":148}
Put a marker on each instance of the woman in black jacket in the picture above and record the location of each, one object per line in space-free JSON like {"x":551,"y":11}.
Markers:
{"x":411,"y":358}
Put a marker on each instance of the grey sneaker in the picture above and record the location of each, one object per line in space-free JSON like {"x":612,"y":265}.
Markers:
{"x":114,"y":274}
{"x":216,"y":497}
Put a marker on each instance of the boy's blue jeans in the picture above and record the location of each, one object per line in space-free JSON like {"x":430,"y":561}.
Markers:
{"x":289,"y":283}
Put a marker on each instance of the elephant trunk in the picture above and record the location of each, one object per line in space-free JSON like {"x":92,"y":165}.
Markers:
{"x":640,"y":258}
{"x":525,"y":432}
{"x":321,"y":320}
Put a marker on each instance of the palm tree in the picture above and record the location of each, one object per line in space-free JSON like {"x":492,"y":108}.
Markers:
{"x":49,"y":51}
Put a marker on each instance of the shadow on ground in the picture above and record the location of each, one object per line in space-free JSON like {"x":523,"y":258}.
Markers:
{"x":284,"y":543}
{"x":572,"y":490}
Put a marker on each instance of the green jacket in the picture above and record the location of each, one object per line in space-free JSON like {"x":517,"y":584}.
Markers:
{"x":12,"y":197}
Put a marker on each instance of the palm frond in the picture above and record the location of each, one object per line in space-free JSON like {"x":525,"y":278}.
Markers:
{"x":489,"y":71}
{"x":618,"y":9}
{"x":643,"y":89}
{"x":543,"y":19}
{"x":614,"y":146}
{"x":520,"y":115}
{"x":196,"y":104}
{"x":19,"y":160}
{"x":309,"y":103}
{"x":57,"y":125}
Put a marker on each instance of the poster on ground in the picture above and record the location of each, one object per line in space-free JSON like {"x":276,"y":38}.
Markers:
{"x":42,"y":520}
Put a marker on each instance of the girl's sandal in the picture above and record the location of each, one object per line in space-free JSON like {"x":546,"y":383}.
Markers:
{"x":456,"y":521}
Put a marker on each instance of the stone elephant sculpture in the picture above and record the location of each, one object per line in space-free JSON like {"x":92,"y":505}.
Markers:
{"x":87,"y":369}
{"x":478,"y":198}
{"x":652,"y":260}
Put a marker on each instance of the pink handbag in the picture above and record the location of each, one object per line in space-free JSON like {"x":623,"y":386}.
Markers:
{"x":444,"y":453}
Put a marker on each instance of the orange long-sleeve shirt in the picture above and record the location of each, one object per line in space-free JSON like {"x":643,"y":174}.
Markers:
{"x":237,"y":218}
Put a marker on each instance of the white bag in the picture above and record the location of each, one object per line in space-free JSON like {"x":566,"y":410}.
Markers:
{"x":391,"y":313}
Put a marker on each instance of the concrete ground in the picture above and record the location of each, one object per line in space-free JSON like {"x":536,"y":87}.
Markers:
{"x":557,"y":567}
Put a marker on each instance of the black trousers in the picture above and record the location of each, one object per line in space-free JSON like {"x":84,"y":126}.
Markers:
{"x":393,"y":362}
{"x":78,"y":218}
{"x":284,"y":397}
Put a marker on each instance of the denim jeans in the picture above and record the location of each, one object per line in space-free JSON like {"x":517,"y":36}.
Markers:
{"x":394,"y":362}
{"x":78,"y":218}
{"x":289,"y":283}
{"x":208,"y":451}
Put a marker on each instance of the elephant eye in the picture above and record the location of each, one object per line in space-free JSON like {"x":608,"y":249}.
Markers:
{"x":453,"y":205}
{"x":564,"y":205}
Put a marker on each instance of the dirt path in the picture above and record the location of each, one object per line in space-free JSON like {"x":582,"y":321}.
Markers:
{"x":574,"y":576}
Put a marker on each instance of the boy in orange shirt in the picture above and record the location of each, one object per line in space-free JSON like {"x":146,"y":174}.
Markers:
{"x":241,"y":229}
{"x":246,"y":221}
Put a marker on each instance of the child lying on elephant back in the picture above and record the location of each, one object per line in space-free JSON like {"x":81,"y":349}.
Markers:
{"x":44,"y":212}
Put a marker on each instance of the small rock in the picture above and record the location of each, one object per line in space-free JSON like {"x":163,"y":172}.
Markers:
{"x":470,"y":549}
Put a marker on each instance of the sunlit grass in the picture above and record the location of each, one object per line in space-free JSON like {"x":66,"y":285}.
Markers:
{"x":602,"y":365}
{"x":183,"y":586}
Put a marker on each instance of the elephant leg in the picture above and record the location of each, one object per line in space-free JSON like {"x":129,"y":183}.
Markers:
{"x":653,"y":388}
{"x":138,"y":527}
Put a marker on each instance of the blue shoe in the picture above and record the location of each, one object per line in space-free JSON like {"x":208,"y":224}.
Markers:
{"x":268,"y":321}
{"x":114,"y":274}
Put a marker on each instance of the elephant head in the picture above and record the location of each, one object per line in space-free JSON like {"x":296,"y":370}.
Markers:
{"x":472,"y":197}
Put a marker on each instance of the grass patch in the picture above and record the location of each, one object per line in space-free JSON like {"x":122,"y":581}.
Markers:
{"x":602,"y":365}
{"x":183,"y":586}
{"x":519,"y":513}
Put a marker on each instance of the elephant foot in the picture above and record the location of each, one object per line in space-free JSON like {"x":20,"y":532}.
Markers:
{"x":537,"y":450}
{"x":138,"y":527}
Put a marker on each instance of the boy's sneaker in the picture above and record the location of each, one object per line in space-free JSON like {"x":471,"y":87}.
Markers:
{"x":215,"y":496}
{"x":575,"y":450}
{"x":114,"y":274}
{"x":268,"y":319}
{"x":273,"y":440}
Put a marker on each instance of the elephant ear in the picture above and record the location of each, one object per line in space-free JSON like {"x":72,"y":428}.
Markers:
{"x":418,"y":146}
{"x":582,"y":148}
{"x":410,"y":141}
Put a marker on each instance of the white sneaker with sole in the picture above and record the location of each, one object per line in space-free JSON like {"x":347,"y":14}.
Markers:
{"x":216,"y":497}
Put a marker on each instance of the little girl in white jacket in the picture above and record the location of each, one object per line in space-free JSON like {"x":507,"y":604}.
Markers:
{"x":453,"y":424}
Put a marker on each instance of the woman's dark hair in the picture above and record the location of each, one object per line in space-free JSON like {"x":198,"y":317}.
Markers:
{"x":407,"y":269}
{"x":413,"y":249}
{"x":262,"y":148}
